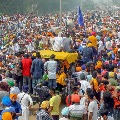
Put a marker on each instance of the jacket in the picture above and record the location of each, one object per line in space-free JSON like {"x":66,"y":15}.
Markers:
{"x":37,"y":68}
{"x":87,"y":52}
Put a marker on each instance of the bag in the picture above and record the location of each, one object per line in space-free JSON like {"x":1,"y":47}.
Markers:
{"x":77,"y":111}
{"x":45,"y":77}
{"x":22,"y":98}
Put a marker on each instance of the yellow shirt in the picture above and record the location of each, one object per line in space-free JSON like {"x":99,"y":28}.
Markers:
{"x":55,"y":103}
{"x":95,"y":83}
{"x":61,"y":79}
{"x":99,"y":63}
{"x":93,"y":40}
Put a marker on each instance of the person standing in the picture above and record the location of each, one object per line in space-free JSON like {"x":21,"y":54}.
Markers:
{"x":87,"y":53}
{"x":18,"y":71}
{"x":57,"y":46}
{"x":67,"y":44}
{"x":37,"y":70}
{"x":92,"y":108}
{"x":26,"y":66}
{"x":16,"y":105}
{"x":24,"y":99}
{"x":84,"y":83}
{"x":3,"y":93}
{"x":51,"y":67}
{"x":54,"y":104}
{"x":93,"y":40}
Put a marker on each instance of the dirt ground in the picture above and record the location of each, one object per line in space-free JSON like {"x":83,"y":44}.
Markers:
{"x":35,"y":108}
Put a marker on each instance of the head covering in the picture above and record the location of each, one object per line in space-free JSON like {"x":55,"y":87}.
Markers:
{"x":99,"y":65}
{"x":25,"y":88}
{"x":93,"y":33}
{"x":65,"y":111}
{"x":89,"y":45}
{"x":78,"y":69}
{"x":83,"y":67}
{"x":111,"y":74}
{"x":6,"y":116}
{"x":6,"y":101}
{"x":45,"y":104}
{"x":98,"y":37}
{"x":14,"y":90}
{"x":13,"y":96}
{"x":9,"y":109}
{"x":82,"y":76}
{"x":108,"y":38}
{"x":10,"y":83}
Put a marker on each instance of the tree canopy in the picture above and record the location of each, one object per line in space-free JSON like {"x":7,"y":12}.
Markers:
{"x":41,"y":6}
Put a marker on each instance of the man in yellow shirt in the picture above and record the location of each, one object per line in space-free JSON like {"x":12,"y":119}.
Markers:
{"x":93,"y":40}
{"x":54,"y":105}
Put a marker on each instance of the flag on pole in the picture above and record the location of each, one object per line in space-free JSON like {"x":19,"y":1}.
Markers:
{"x":80,"y":18}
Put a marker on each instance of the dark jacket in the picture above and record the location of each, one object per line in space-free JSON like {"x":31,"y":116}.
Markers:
{"x":87,"y":52}
{"x":37,"y":68}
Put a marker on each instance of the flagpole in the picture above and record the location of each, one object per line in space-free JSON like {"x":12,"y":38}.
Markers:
{"x":60,"y":13}
{"x":81,"y":4}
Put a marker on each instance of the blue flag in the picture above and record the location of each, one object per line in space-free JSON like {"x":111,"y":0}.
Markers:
{"x":80,"y":18}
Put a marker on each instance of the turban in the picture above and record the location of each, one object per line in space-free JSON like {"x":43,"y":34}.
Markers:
{"x":25,"y":88}
{"x":6,"y":101}
{"x":6,"y":116}
{"x":93,"y":33}
{"x":98,"y":37}
{"x":10,"y":83}
{"x":14,"y":90}
{"x":65,"y":111}
{"x":13,"y":96}
{"x":45,"y":104}
{"x":78,"y":69}
{"x":83,"y":67}
{"x":89,"y":45}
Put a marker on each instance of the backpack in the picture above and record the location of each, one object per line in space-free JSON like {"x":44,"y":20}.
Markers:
{"x":72,"y":98}
{"x":77,"y":112}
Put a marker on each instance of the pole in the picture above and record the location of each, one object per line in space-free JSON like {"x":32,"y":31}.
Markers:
{"x":17,"y":9}
{"x":60,"y":13}
{"x":32,"y":8}
{"x":81,"y":4}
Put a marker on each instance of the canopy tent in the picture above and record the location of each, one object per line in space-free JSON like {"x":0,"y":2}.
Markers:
{"x":70,"y":57}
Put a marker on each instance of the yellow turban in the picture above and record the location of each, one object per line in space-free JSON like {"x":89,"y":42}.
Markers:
{"x":13,"y":96}
{"x":99,"y":64}
{"x":6,"y":116}
{"x":45,"y":104}
{"x":89,"y":45}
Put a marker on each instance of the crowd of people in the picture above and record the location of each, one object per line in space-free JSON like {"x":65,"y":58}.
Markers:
{"x":90,"y":85}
